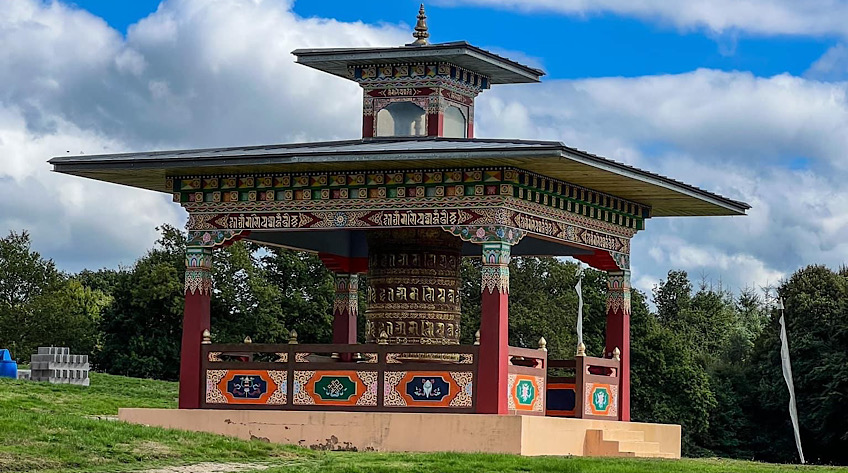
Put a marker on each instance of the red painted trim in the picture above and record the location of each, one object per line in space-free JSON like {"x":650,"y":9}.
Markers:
{"x":344,"y":327}
{"x":600,"y":260}
{"x":195,"y":321}
{"x":435,"y":124}
{"x":344,"y":264}
{"x":367,"y":126}
{"x":492,"y":375}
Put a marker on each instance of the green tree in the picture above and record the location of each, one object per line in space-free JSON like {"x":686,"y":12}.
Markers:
{"x":668,"y":384}
{"x":265,"y":293}
{"x":142,"y":327}
{"x":70,"y":317}
{"x":306,"y":292}
{"x":26,"y":281}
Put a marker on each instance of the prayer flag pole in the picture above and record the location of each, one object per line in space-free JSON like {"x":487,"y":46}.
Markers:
{"x":579,"y":289}
{"x":787,"y":376}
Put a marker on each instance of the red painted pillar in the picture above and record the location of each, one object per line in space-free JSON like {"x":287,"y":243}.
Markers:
{"x":345,"y":308}
{"x":492,"y":377}
{"x":198,"y":288}
{"x":618,"y":332}
{"x":435,"y":124}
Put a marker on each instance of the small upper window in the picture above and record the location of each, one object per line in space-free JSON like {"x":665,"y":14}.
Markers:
{"x":455,"y":124}
{"x":401,"y":119}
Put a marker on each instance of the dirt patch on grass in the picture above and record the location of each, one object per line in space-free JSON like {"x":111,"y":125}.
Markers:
{"x":210,"y":467}
{"x":15,"y":462}
{"x":152,"y":449}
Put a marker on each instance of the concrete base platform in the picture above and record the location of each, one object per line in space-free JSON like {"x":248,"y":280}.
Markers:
{"x":407,"y":432}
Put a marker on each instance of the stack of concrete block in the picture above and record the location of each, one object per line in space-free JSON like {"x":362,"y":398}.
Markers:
{"x":58,"y":366}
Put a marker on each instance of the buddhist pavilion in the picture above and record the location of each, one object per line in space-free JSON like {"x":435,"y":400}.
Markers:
{"x":403,"y":204}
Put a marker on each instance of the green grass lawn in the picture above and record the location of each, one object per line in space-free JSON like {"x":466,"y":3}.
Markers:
{"x":55,"y":428}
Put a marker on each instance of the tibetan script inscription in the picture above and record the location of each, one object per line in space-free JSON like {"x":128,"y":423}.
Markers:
{"x":278,"y":220}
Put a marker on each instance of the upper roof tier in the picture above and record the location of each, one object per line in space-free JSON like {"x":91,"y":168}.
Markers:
{"x":499,"y":70}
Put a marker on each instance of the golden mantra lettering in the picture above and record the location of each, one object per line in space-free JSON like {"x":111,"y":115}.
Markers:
{"x":413,"y":260}
{"x":402,"y":91}
{"x":413,"y":293}
{"x":410,"y":218}
{"x":413,"y":328}
{"x":545,"y":227}
{"x":279,"y":220}
{"x":455,"y":96}
{"x":601,"y":241}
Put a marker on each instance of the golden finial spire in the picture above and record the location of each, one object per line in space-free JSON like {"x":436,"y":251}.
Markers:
{"x":581,"y":349}
{"x":421,"y":34}
{"x":207,"y":337}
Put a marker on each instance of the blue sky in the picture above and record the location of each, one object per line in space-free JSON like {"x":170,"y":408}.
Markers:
{"x":748,"y":99}
{"x":596,"y":45}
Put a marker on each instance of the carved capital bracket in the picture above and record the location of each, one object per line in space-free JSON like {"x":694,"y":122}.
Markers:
{"x":481,"y":234}
{"x":618,"y":292}
{"x":346,"y":301}
{"x":495,"y":270}
{"x":198,"y":275}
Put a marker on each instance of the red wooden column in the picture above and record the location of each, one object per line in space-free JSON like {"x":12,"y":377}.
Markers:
{"x":492,"y":377}
{"x":345,"y":308}
{"x":198,"y":288}
{"x":618,"y":332}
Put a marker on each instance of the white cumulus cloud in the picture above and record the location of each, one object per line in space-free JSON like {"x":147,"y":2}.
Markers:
{"x":766,"y":17}
{"x":203,"y":73}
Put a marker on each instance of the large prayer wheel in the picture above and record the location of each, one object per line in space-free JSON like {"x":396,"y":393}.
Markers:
{"x":413,"y":287}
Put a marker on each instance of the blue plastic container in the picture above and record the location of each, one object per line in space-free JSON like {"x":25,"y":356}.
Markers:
{"x":8,"y":366}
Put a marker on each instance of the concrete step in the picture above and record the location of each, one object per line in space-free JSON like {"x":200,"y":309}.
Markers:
{"x":622,"y":443}
{"x":656,"y":455}
{"x":639,"y":447}
{"x":624,"y":435}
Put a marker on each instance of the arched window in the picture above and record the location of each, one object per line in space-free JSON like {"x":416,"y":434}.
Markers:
{"x":401,"y":119}
{"x":455,"y":125}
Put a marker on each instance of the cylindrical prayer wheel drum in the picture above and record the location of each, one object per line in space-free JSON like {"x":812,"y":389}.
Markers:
{"x":413,"y":287}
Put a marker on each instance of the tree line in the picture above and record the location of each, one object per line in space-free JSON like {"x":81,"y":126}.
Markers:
{"x":702,"y":357}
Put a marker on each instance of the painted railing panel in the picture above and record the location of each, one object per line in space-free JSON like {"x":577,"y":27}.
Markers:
{"x":370,"y":377}
{"x":527,"y":380}
{"x":592,"y":393}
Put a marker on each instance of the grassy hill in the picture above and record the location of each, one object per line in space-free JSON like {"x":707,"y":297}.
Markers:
{"x":61,"y":428}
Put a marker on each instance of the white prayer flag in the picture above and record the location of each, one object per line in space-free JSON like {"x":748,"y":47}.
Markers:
{"x":579,"y":289}
{"x":787,"y":376}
